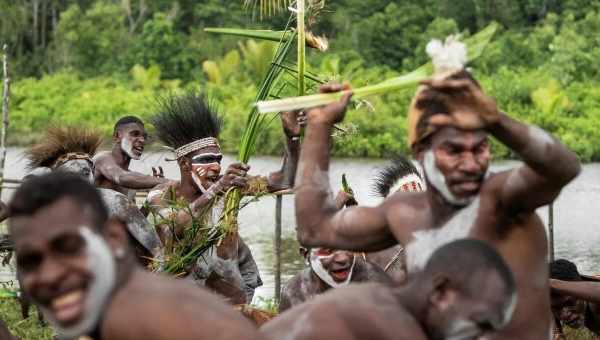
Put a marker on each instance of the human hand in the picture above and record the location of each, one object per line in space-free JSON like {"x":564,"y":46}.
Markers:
{"x":293,"y":122}
{"x":235,"y":175}
{"x":469,"y":107}
{"x":159,"y":173}
{"x":344,"y":199}
{"x":332,"y":113}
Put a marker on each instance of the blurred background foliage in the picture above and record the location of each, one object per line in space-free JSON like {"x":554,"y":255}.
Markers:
{"x":92,"y":61}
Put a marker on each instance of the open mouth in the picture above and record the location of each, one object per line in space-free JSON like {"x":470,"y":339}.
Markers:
{"x":138,"y":149}
{"x":68,"y":307}
{"x":340,"y":275}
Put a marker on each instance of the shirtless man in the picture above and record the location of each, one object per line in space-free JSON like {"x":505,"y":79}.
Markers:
{"x":112,"y":167}
{"x":449,"y":123}
{"x":191,"y":127}
{"x":575,"y":298}
{"x":328,"y":269}
{"x":444,"y":301}
{"x":77,"y":266}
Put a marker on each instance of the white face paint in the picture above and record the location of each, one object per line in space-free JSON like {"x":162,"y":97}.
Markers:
{"x":198,"y":182}
{"x":102,"y":264}
{"x":127,"y":147}
{"x":323,"y":274}
{"x":437,"y":179}
{"x":461,"y":329}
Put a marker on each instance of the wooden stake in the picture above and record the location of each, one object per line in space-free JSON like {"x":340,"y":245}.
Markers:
{"x":277,"y":241}
{"x":551,"y":231}
{"x":5,"y":108}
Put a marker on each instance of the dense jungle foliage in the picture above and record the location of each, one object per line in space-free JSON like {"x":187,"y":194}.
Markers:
{"x":91,"y":61}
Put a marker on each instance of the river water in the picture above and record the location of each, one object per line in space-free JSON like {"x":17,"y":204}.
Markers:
{"x":576,"y":211}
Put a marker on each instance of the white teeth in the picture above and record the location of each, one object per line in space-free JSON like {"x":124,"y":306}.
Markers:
{"x":67,"y":299}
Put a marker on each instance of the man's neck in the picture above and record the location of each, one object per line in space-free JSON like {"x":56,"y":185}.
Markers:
{"x":121,"y":158}
{"x":188,"y":188}
{"x":409,"y":298}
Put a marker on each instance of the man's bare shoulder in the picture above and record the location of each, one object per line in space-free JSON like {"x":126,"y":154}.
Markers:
{"x":407,"y":210}
{"x":103,"y":156}
{"x":152,"y":306}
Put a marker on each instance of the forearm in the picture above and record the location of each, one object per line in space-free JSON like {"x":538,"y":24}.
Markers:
{"x":136,"y":180}
{"x":544,"y":154}
{"x":588,"y":291}
{"x":285,"y":177}
{"x":314,"y":198}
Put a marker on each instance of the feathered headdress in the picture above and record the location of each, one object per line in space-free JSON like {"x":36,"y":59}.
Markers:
{"x":62,"y":143}
{"x":187,"y":123}
{"x":401,"y":175}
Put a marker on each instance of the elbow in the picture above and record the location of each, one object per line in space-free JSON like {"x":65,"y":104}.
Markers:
{"x":571,"y":169}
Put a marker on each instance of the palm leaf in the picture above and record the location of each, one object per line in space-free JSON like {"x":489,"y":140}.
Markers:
{"x":475,"y":46}
{"x":311,"y":40}
{"x":267,"y":8}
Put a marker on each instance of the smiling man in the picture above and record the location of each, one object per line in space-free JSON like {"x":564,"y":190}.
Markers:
{"x":444,"y":301}
{"x":112,"y":167}
{"x":77,"y":266}
{"x":328,"y":268}
{"x":450,"y":121}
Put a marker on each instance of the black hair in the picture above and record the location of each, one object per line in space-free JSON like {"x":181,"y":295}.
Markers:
{"x":42,"y":191}
{"x":461,"y":260}
{"x":564,"y":270}
{"x":126,"y":120}
{"x":390,"y":174}
{"x":183,"y":119}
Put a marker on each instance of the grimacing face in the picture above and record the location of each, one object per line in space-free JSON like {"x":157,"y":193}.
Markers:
{"x":337,"y":263}
{"x":64,"y":265}
{"x":461,"y":157}
{"x":205,"y":166}
{"x":569,"y":310}
{"x":82,"y":167}
{"x":132,"y":137}
{"x":455,"y":316}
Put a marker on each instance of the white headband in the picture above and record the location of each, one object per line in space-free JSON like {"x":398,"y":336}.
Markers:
{"x":196,"y":145}
{"x":408,"y":183}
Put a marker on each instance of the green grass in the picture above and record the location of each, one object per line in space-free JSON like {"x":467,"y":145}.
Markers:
{"x":28,"y":329}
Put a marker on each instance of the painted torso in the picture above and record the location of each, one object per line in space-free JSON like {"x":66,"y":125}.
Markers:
{"x":102,"y":182}
{"x":521,"y":241}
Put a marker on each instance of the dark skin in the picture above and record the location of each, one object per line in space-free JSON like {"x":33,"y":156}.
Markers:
{"x":112,"y":168}
{"x":306,"y":284}
{"x":235,"y":176}
{"x":421,"y":309}
{"x":505,"y":217}
{"x":570,"y":299}
{"x":52,"y":260}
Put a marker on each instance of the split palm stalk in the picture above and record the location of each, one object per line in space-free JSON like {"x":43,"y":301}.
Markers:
{"x":475,"y":46}
{"x":5,"y":108}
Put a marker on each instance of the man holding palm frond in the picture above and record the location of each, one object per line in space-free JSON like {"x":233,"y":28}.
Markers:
{"x":187,"y":213}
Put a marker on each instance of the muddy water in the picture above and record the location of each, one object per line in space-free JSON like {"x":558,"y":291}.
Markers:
{"x":577,"y":211}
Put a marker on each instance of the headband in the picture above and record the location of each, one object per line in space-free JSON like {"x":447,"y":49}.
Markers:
{"x":69,"y":157}
{"x":196,"y":145}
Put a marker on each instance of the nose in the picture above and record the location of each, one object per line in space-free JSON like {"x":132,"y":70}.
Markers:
{"x":340,"y":257}
{"x":469,"y":163}
{"x":50,"y":273}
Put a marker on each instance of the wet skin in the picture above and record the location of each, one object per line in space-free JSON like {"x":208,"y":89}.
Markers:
{"x":54,"y":271}
{"x":112,"y":168}
{"x":306,"y":284}
{"x":504,"y":215}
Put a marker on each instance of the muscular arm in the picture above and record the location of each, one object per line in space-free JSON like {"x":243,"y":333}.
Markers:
{"x":588,"y":291}
{"x":284,"y":178}
{"x":127,"y":179}
{"x":319,"y":222}
{"x":548,"y":167}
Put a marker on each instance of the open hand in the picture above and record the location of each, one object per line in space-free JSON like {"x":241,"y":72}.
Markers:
{"x":159,"y":173}
{"x":469,"y":107}
{"x":334,"y":112}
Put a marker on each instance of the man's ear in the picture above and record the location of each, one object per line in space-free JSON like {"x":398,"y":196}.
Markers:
{"x":115,"y":233}
{"x":303,"y":251}
{"x":442,"y":295}
{"x":116,"y":136}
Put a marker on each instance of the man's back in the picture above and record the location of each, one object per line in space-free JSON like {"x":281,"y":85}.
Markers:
{"x":361,"y":311}
{"x":154,"y":307}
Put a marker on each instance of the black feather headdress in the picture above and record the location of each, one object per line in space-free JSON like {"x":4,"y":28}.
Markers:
{"x":390,"y":175}
{"x":184,"y":119}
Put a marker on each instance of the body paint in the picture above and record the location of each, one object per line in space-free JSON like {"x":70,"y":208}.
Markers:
{"x":323,"y":274}
{"x":127,"y":147}
{"x":438,"y":181}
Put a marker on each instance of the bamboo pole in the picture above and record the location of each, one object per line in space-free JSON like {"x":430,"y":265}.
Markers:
{"x":301,"y":46}
{"x":277,"y":241}
{"x":551,"y":230}
{"x":5,"y":108}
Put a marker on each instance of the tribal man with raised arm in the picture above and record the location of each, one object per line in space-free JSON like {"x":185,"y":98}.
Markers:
{"x":450,"y":120}
{"x":190,"y":126}
{"x":112,"y":167}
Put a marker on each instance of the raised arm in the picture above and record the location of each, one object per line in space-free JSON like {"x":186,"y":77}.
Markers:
{"x":548,"y":164}
{"x":284,"y":178}
{"x":128,"y":179}
{"x":319,"y":222}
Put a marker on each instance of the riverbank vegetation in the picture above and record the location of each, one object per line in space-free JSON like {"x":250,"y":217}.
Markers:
{"x":92,"y":61}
